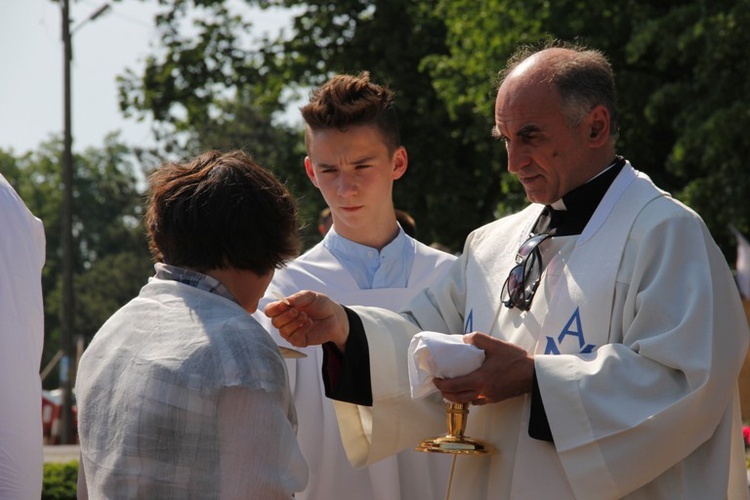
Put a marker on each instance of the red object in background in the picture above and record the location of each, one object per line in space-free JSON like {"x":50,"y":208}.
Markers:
{"x":51,"y":416}
{"x":50,"y":411}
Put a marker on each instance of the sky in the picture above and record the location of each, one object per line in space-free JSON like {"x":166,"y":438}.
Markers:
{"x":31,"y":58}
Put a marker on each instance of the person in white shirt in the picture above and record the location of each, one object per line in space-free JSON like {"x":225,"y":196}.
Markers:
{"x":354,"y":157}
{"x":22,"y":255}
{"x":181,"y":393}
{"x":613,"y":329}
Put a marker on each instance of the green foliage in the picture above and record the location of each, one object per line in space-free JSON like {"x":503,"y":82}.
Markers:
{"x":59,"y":481}
{"x":680,"y":67}
{"x":452,"y":183}
{"x":704,"y":100}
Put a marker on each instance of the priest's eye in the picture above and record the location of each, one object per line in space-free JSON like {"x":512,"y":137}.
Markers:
{"x":501,"y":138}
{"x":496,"y":134}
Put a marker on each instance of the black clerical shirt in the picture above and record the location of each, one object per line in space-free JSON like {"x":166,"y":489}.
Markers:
{"x":347,"y":377}
{"x":580,"y":204}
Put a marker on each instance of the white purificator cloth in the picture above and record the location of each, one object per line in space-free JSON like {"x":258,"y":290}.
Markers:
{"x":433,"y":354}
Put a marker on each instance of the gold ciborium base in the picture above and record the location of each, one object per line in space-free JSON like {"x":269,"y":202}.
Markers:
{"x":455,"y":442}
{"x":455,"y":445}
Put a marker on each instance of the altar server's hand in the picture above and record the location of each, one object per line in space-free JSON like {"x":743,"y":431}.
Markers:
{"x":309,"y":318}
{"x":507,"y":372}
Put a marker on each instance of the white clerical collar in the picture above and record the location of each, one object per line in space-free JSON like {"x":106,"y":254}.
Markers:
{"x":559,"y":205}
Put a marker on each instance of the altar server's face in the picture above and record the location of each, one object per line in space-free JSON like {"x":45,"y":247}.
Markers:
{"x":354,"y":171}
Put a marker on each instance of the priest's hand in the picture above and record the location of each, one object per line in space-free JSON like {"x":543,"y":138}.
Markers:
{"x":309,"y":318}
{"x":507,"y":372}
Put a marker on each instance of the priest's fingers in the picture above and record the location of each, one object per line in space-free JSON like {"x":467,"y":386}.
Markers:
{"x":315,"y":305}
{"x":309,"y":318}
{"x":289,"y":317}
{"x":473,"y":397}
{"x":293,"y":325}
{"x":507,"y":371}
{"x":482,"y":341}
{"x":460,"y":397}
{"x":297,"y":334}
{"x":478,"y":387}
{"x":275,"y":308}
{"x":460,"y":389}
{"x":299,"y":300}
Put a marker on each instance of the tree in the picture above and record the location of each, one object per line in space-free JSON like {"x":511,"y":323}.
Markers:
{"x":680,"y":69}
{"x":452,"y":184}
{"x":704,"y":102}
{"x":678,"y":66}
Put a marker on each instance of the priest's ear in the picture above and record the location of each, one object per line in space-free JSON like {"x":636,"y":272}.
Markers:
{"x":597,"y":124}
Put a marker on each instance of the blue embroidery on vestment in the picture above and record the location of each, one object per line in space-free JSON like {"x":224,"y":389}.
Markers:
{"x":553,"y":347}
{"x":469,"y":327}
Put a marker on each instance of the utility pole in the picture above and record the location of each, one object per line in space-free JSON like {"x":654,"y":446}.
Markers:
{"x":66,"y":375}
{"x":67,"y":368}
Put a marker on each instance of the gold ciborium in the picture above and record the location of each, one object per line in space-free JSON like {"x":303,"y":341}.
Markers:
{"x":455,"y":442}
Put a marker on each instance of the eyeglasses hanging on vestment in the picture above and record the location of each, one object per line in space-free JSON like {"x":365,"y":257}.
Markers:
{"x":520,"y":286}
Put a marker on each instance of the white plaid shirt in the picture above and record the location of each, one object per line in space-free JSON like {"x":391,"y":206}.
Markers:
{"x":182,"y":394}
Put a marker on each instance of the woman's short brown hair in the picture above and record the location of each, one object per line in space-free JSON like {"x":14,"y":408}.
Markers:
{"x":221,"y":210}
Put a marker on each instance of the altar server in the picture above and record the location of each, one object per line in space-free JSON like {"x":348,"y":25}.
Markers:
{"x":354,"y":157}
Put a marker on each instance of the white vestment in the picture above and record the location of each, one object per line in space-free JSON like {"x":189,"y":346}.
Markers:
{"x":22,"y":254}
{"x":638,"y":334}
{"x":410,"y":475}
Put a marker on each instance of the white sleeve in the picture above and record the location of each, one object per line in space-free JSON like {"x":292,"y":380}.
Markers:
{"x":258,"y":447}
{"x":82,"y":490}
{"x":22,"y":256}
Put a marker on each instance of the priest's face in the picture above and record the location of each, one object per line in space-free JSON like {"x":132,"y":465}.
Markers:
{"x":548,"y":154}
{"x":354,"y":171}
